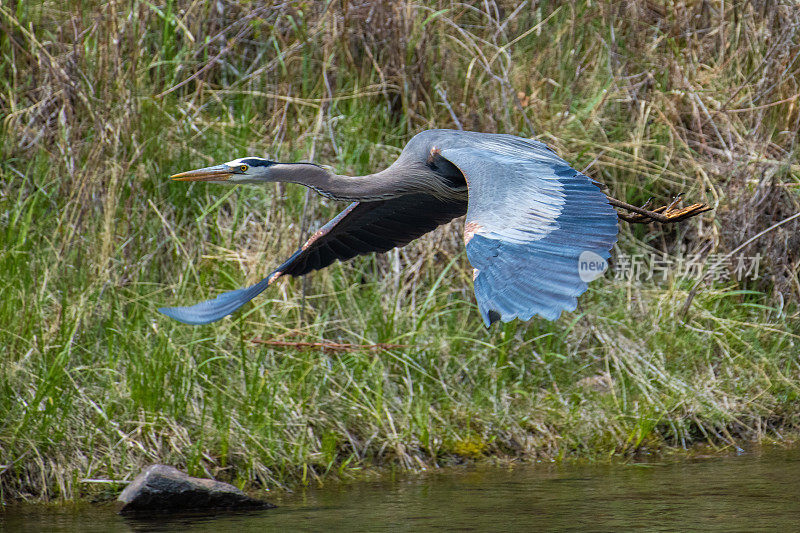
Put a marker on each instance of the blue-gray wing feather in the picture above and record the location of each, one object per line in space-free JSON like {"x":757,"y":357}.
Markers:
{"x":213,"y":310}
{"x":530,"y":217}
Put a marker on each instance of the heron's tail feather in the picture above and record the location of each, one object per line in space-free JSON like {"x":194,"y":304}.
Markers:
{"x":221,"y":306}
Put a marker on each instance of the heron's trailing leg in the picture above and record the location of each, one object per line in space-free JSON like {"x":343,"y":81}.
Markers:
{"x":665,"y":214}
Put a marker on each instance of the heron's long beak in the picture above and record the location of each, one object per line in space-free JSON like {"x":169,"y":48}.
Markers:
{"x":217,"y":173}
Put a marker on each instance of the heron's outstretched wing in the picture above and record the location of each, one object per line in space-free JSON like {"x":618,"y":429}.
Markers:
{"x":363,"y":227}
{"x":530,"y":218}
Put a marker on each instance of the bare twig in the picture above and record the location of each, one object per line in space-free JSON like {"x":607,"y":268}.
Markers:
{"x":752,"y":239}
{"x":443,"y":96}
{"x":333,"y":346}
{"x":107,"y":481}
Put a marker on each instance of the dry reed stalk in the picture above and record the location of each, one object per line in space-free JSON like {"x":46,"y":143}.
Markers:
{"x":332,"y":346}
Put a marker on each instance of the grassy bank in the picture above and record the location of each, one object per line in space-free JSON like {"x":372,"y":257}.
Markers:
{"x":100,"y":102}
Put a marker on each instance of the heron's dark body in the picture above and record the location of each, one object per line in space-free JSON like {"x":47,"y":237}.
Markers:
{"x":530,"y":216}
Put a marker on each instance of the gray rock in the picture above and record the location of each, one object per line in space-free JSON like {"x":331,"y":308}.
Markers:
{"x":164,"y":488}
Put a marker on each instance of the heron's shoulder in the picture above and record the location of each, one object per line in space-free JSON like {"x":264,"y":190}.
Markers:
{"x":444,"y":139}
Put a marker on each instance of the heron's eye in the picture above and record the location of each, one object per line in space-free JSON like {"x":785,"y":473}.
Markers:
{"x":243,"y":168}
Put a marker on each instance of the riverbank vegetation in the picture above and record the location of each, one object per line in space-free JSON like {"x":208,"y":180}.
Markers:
{"x":101,"y":101}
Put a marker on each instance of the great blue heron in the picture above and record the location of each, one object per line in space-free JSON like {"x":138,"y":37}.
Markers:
{"x":530,"y":216}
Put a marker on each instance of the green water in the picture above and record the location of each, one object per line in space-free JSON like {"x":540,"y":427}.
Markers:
{"x":746,"y":493}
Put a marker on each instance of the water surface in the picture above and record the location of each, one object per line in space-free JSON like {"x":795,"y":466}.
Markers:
{"x":746,"y":493}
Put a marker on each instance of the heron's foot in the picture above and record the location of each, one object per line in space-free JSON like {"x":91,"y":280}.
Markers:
{"x":665,"y":214}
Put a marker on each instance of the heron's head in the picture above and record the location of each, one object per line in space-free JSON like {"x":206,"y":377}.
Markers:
{"x":243,"y":170}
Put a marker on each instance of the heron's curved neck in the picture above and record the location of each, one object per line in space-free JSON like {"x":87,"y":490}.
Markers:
{"x":371,"y":187}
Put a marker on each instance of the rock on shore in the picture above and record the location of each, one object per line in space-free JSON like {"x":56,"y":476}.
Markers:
{"x":164,"y":488}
